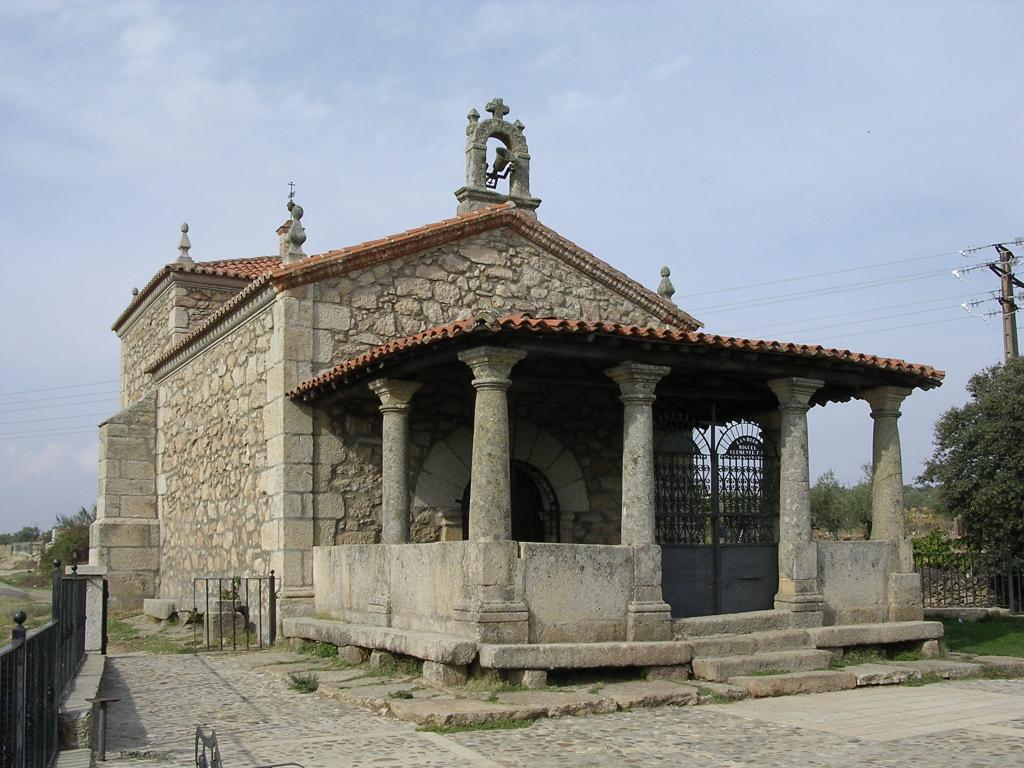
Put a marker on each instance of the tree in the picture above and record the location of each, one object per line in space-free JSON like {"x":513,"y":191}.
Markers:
{"x":979,"y":460}
{"x":827,"y":504}
{"x":72,"y":539}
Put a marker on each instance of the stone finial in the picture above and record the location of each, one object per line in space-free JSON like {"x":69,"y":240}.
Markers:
{"x":183,"y":247}
{"x":295,"y":236}
{"x":135,"y":291}
{"x":665,"y":288}
{"x":497,"y":108}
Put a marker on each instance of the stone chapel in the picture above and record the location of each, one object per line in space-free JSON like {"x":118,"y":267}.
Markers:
{"x":478,"y":430}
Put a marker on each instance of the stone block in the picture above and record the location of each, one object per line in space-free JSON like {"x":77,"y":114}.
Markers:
{"x":675,"y":673}
{"x":947,"y":670}
{"x":438,"y":675}
{"x":352,"y":654}
{"x":1010,"y":666}
{"x":731,"y":623}
{"x":722,"y":668}
{"x":137,"y":470}
{"x":381,"y":659}
{"x":138,"y":506}
{"x":135,"y":448}
{"x":124,"y":532}
{"x":931,"y":648}
{"x":422,"y":645}
{"x":882,"y":674}
{"x":532,"y":679}
{"x":657,"y":693}
{"x":134,"y":559}
{"x":159,"y":608}
{"x":585,"y":655}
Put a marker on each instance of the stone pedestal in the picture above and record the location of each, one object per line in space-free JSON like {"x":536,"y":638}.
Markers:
{"x":395,"y":404}
{"x":490,"y":610}
{"x":648,"y":616}
{"x":93,"y":604}
{"x":450,"y":524}
{"x":798,"y":556}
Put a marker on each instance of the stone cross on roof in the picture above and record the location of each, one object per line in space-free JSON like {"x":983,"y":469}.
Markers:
{"x":497,"y":108}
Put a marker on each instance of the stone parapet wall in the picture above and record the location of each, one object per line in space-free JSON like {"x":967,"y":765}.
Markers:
{"x":853,"y":577}
{"x":125,"y":538}
{"x":498,"y":271}
{"x":574,"y":593}
{"x":212,"y":454}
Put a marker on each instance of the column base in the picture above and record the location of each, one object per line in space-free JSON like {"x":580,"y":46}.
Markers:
{"x":648,"y":621}
{"x":905,"y":602}
{"x":803,"y":600}
{"x":495,"y":621}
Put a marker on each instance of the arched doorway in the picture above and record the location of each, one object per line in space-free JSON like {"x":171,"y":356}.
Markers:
{"x":535,"y":512}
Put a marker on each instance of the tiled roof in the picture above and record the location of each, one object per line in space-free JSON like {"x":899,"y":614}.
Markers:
{"x":243,"y":269}
{"x":519,"y":323}
{"x":345,"y":260}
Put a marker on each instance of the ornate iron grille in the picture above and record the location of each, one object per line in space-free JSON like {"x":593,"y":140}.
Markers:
{"x":705,"y":496}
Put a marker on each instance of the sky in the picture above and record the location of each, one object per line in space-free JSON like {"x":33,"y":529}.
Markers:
{"x":808,"y":170}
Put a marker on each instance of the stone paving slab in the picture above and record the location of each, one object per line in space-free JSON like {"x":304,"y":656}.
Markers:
{"x":977,"y":723}
{"x":819,"y":681}
{"x":882,"y":674}
{"x":1012,"y":666}
{"x":947,"y":670}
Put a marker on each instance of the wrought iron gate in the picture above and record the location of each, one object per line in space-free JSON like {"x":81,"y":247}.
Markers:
{"x":234,"y":613}
{"x":716,"y":487}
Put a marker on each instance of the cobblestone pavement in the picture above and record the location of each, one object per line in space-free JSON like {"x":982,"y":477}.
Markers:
{"x":259,"y":721}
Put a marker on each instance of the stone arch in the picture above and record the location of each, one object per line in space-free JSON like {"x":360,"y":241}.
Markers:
{"x":445,"y":472}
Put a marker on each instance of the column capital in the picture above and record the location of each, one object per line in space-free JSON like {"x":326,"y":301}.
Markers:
{"x":637,"y":380}
{"x":794,"y":393}
{"x":491,"y":365}
{"x":395,"y":394}
{"x":885,"y":401}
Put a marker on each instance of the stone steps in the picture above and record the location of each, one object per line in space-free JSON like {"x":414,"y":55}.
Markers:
{"x":730,"y":624}
{"x":751,"y":643}
{"x":817,"y":681}
{"x":721,"y":668}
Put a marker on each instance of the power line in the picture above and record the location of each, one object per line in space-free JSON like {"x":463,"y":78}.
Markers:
{"x":55,"y":418}
{"x":8,"y":436}
{"x":106,"y":399}
{"x":59,"y":397}
{"x":54,"y":389}
{"x":814,"y":293}
{"x":873,"y":319}
{"x":899,"y":327}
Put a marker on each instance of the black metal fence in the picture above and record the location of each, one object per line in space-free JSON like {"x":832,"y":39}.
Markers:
{"x":234,"y":613}
{"x":36,"y":670}
{"x":967,"y":580}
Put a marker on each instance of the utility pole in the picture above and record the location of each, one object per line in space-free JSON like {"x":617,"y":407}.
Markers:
{"x":1004,"y":270}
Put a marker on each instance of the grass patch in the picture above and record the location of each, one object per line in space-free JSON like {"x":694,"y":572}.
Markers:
{"x":926,"y":679}
{"x":859,"y":656}
{"x":910,"y":655}
{"x":596,"y":688}
{"x":492,"y":725}
{"x":30,"y":580}
{"x":303,"y":682}
{"x":992,"y":636}
{"x":400,"y":695}
{"x":125,"y":637}
{"x":405,"y":666}
{"x":320,"y":650}
{"x":713,"y":696}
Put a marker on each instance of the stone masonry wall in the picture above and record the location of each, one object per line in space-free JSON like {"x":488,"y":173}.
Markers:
{"x":498,"y":271}
{"x":147,"y":337}
{"x":211,"y":453}
{"x":126,"y":535}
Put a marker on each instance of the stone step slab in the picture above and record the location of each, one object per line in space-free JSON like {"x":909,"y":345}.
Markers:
{"x":1011,"y":666}
{"x":947,"y":670}
{"x":709,"y":692}
{"x":730,"y":624}
{"x":752,"y":642}
{"x":452,"y":713}
{"x":847,"y":635}
{"x":882,"y":674}
{"x":444,"y":649}
{"x":819,"y":681}
{"x":720,"y":669}
{"x":661,"y":653}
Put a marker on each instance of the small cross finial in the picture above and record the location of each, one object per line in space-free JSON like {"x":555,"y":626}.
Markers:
{"x":497,"y":108}
{"x":183,"y":247}
{"x":291,"y":191}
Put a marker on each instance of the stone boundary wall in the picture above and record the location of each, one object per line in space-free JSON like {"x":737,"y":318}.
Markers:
{"x":126,"y":535}
{"x":854,"y":578}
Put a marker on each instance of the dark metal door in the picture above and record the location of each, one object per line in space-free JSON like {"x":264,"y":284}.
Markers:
{"x":717,"y":515}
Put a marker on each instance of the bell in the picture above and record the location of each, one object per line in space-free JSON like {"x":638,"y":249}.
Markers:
{"x":502,"y":158}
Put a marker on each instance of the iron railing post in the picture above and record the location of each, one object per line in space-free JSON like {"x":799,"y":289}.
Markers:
{"x":273,"y":608}
{"x":20,"y":662}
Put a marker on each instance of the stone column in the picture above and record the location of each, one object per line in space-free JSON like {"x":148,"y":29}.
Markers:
{"x":888,"y":511}
{"x":490,"y":610}
{"x":636,"y":383}
{"x":648,"y":616}
{"x":490,"y":503}
{"x":798,"y":555}
{"x":395,"y":403}
{"x":888,"y":514}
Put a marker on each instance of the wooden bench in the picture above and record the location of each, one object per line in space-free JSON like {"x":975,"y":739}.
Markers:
{"x":208,"y":752}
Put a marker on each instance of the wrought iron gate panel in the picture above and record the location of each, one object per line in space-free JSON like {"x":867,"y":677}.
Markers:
{"x":716,"y":489}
